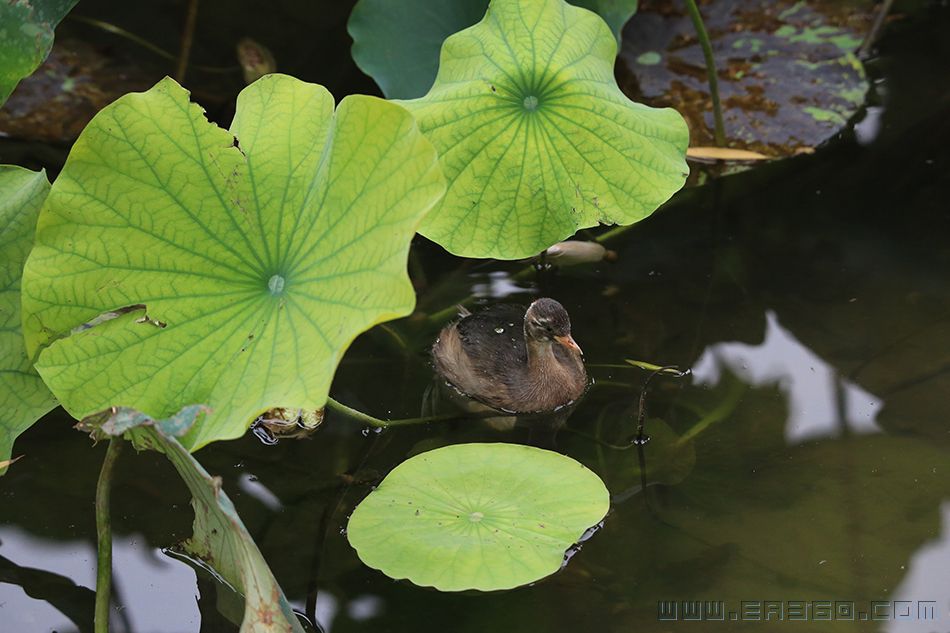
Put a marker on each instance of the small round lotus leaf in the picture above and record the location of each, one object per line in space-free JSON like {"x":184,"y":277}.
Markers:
{"x":477,"y":516}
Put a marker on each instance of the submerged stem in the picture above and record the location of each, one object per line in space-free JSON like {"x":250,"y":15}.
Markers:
{"x":719,"y":130}
{"x":104,"y":537}
{"x":722,"y":411}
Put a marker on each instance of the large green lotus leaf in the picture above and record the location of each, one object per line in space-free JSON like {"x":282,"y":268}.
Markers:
{"x":220,"y":540}
{"x":477,"y":516}
{"x":535,"y":138}
{"x":173,"y":267}
{"x":26,"y":36}
{"x":23,"y":396}
{"x":397,"y":42}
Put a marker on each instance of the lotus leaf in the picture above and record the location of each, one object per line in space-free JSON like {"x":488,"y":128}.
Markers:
{"x":535,"y":138}
{"x":26,"y":36}
{"x":23,"y":396}
{"x":397,"y":42}
{"x":177,"y":262}
{"x":477,"y":516}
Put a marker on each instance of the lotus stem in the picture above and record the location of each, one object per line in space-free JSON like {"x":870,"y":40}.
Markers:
{"x":875,"y":29}
{"x":437,"y":318}
{"x":187,"y":37}
{"x":597,"y":441}
{"x":365,"y":418}
{"x":719,"y":130}
{"x":104,"y":537}
{"x":641,"y":437}
{"x":398,"y":339}
{"x":108,"y":27}
{"x":609,"y":383}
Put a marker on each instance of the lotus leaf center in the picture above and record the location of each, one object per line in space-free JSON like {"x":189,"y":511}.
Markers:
{"x":475,"y":517}
{"x":276,"y":285}
{"x":531,"y":103}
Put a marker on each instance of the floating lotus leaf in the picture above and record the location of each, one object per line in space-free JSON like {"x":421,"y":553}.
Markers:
{"x":789,"y":78}
{"x":477,"y":516}
{"x":23,"y":396}
{"x":26,"y":35}
{"x":397,"y":42}
{"x":535,"y":138}
{"x":176,"y":264}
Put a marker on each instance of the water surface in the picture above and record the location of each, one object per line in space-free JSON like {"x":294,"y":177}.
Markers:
{"x":804,"y":465}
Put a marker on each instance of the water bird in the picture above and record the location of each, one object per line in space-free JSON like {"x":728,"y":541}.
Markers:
{"x":513,"y":359}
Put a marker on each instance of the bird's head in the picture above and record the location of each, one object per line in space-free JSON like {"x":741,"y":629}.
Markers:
{"x":547,"y":320}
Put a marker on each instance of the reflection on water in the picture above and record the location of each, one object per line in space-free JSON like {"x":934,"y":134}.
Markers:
{"x":365,"y":607}
{"x":326,"y":610}
{"x":808,"y":461}
{"x":72,"y":562}
{"x":495,"y":285}
{"x":141,"y":573}
{"x":928,"y":574}
{"x":820,"y":401}
{"x":251,"y":486}
{"x":867,"y":129}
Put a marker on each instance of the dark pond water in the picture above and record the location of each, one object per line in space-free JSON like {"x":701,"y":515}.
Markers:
{"x":804,"y":465}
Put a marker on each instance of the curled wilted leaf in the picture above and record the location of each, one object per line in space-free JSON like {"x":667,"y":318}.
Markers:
{"x":220,"y":540}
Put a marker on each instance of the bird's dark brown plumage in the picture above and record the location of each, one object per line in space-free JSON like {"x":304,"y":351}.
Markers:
{"x":488,"y":356}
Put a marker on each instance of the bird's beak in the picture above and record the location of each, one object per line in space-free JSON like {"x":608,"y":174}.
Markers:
{"x":568,"y":342}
